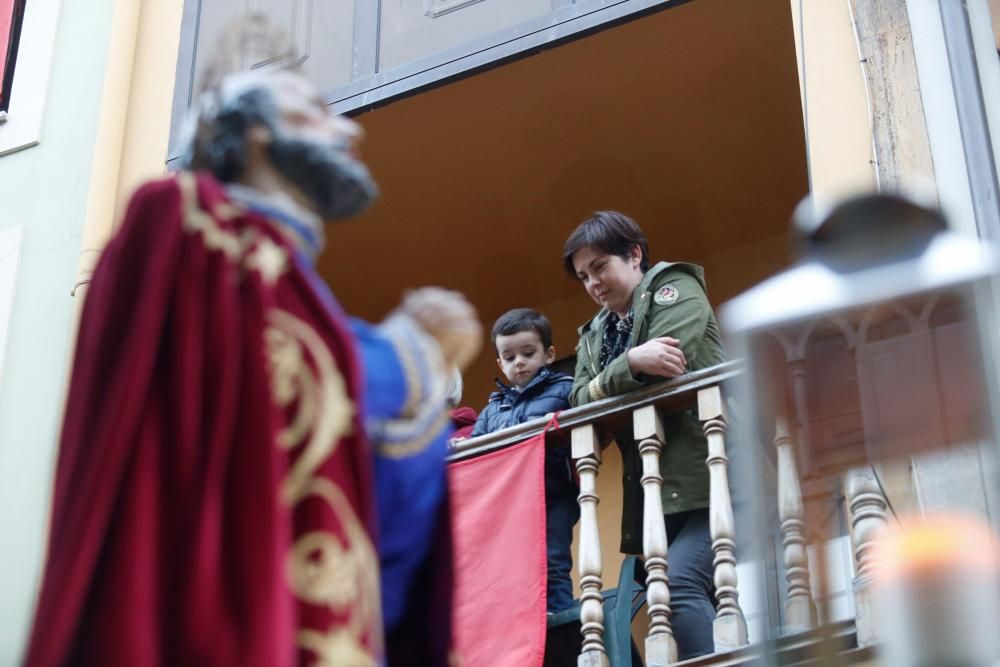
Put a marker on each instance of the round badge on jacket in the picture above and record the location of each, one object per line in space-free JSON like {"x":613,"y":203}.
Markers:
{"x":666,"y":295}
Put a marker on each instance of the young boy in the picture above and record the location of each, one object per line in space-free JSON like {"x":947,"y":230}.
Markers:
{"x":523,"y":341}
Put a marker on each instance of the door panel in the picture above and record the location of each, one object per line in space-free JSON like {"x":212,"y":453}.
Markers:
{"x":411,"y":29}
{"x":319,"y":35}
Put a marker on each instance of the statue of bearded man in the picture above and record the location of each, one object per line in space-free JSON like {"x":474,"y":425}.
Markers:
{"x":247,"y":477}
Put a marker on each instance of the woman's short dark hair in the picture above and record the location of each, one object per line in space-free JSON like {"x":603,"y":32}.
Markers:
{"x":610,"y":232}
{"x":522,"y":319}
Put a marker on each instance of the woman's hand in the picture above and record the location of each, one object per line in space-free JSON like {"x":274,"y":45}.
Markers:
{"x":661,"y":357}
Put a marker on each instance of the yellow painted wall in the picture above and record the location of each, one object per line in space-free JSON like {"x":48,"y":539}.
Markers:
{"x":135,"y":116}
{"x":147,"y":129}
{"x":838,"y":127}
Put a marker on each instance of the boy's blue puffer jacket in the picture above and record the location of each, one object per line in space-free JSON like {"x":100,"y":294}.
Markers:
{"x":547,"y":392}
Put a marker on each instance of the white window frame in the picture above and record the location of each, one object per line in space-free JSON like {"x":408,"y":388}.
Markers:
{"x":23,"y":123}
{"x":436,"y":8}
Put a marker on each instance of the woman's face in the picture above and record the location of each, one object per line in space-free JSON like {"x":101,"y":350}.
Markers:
{"x":610,"y":280}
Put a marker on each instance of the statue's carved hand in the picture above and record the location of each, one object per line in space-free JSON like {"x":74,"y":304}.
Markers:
{"x":450,"y":319}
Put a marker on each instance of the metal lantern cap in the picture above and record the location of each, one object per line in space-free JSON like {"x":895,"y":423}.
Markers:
{"x":868,"y":249}
{"x":814,"y":288}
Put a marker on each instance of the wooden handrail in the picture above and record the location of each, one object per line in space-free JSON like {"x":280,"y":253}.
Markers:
{"x":679,"y":393}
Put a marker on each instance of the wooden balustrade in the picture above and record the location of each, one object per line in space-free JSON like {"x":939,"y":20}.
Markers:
{"x":865,"y":501}
{"x":661,"y":647}
{"x":587,"y":454}
{"x":800,"y":610}
{"x":730,"y":627}
{"x":867,"y":506}
{"x":583,"y":423}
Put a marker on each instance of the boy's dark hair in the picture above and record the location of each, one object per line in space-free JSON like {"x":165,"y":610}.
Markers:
{"x":522,"y":319}
{"x":610,"y":232}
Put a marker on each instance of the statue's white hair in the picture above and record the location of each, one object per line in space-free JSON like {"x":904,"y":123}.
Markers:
{"x":225,"y":80}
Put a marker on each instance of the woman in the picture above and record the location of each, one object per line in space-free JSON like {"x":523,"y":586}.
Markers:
{"x":654,"y":324}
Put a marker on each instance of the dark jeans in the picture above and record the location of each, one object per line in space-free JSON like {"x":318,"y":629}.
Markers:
{"x":692,"y":591}
{"x":561,"y":513}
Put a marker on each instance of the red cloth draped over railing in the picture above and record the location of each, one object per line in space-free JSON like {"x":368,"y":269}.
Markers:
{"x":498,"y":515}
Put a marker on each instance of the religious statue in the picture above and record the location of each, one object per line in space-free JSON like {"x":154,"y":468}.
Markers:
{"x":246,"y":476}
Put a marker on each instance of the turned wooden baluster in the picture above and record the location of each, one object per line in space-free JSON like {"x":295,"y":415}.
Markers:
{"x":730,"y":627}
{"x":587,"y":454}
{"x":800,"y":611}
{"x":661,"y":648}
{"x":868,"y":507}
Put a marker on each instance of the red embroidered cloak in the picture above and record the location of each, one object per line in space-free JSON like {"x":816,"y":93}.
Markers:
{"x":213,"y":501}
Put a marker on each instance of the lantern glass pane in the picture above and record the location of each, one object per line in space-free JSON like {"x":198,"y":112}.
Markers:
{"x":875,"y":383}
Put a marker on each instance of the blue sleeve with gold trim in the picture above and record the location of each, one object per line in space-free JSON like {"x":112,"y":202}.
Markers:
{"x":408,"y":426}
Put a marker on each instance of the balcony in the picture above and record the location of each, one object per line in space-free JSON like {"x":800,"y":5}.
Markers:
{"x":787,"y":632}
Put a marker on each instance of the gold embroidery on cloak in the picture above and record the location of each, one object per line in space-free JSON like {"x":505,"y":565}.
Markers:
{"x":249,"y":248}
{"x":291,"y":380}
{"x":323,"y":569}
{"x":336,"y":649}
{"x":334,"y":410}
{"x":269,"y":259}
{"x":198,"y":220}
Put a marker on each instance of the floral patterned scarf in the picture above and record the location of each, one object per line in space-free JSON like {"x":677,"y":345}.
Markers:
{"x":617,"y":331}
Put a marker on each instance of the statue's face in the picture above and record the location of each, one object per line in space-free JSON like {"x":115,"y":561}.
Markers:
{"x":304,"y":114}
{"x":316,"y":150}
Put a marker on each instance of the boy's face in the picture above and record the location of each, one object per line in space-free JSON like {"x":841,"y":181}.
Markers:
{"x":522,"y":356}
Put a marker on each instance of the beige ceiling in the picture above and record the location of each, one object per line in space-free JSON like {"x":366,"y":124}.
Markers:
{"x":687,"y":119}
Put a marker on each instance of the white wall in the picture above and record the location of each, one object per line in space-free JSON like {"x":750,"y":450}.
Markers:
{"x":10,"y":256}
{"x":43,"y":190}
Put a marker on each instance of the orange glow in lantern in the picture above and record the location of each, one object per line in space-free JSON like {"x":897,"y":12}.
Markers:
{"x":938,"y":599}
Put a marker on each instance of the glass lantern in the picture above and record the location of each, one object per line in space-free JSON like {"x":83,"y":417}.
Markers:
{"x":877,"y":346}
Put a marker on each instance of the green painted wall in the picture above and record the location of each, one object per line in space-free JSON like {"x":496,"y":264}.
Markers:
{"x":44,"y":190}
